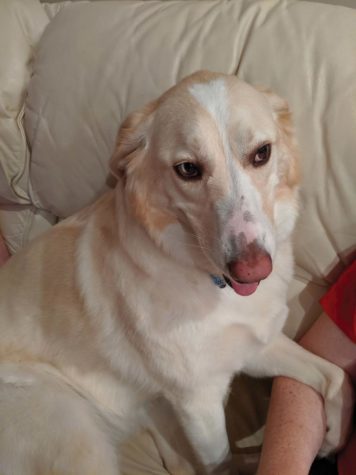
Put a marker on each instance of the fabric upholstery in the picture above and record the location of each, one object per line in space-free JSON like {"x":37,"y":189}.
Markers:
{"x":21,"y":26}
{"x":97,"y":61}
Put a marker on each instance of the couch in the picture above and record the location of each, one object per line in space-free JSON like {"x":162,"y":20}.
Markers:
{"x":71,"y":71}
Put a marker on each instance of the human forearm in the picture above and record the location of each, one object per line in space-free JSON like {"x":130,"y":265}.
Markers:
{"x":291,"y":442}
{"x":296,"y":421}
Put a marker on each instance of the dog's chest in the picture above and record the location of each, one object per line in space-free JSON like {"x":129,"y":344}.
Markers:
{"x":179,"y":337}
{"x":201,"y":347}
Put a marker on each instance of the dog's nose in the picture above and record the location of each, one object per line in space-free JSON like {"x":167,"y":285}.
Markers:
{"x":252,"y":265}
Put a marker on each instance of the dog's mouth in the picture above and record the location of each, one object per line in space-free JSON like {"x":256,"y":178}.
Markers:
{"x":245,"y":273}
{"x":242,"y":288}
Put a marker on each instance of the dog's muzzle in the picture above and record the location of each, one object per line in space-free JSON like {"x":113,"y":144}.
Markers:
{"x":252,"y":264}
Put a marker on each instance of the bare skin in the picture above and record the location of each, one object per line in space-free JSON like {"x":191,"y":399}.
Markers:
{"x":295,"y":425}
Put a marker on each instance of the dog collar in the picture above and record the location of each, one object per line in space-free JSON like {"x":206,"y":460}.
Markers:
{"x":218,"y":281}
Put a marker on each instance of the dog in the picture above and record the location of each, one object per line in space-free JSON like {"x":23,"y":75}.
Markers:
{"x":166,"y":287}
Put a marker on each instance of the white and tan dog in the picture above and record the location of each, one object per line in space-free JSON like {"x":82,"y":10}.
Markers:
{"x":121,"y":303}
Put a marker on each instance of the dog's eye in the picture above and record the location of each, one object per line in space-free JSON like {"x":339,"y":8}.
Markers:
{"x":188,"y":171}
{"x":262,"y":155}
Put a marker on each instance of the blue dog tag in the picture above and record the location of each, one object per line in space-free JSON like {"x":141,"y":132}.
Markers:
{"x":218,"y":281}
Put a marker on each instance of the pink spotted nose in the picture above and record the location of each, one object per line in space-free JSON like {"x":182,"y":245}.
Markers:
{"x":252,"y":265}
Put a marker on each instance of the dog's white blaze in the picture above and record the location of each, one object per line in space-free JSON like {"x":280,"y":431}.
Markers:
{"x":258,"y":227}
{"x":213,"y":97}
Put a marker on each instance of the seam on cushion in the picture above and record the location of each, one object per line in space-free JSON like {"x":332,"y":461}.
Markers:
{"x":28,"y":226}
{"x":20,"y":230}
{"x":32,"y":38}
{"x":310,"y":280}
{"x":23,"y":228}
{"x":32,"y":195}
{"x":52,"y":9}
{"x":14,"y":182}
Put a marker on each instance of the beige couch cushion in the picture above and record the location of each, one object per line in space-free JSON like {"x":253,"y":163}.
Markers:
{"x":20,"y":31}
{"x":21,"y":26}
{"x":96,"y":62}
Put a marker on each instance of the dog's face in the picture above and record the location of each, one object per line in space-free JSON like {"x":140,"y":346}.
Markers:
{"x":209,"y":170}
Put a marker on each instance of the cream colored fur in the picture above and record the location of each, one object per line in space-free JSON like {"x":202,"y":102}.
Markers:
{"x":114,"y":307}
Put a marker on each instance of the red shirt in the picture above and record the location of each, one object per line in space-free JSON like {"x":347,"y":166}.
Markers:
{"x":340,"y":304}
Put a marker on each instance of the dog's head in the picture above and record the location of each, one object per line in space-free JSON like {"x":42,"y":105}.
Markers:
{"x":210,"y":171}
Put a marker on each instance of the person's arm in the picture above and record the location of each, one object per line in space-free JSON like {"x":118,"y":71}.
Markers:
{"x":295,"y":425}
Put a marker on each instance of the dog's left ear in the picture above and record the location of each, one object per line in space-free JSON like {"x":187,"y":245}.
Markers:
{"x":132,"y":139}
{"x":283,"y":117}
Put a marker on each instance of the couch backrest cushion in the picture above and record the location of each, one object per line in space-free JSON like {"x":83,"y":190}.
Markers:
{"x":21,"y":26}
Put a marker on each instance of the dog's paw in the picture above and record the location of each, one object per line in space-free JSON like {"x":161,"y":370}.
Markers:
{"x":339,"y":406}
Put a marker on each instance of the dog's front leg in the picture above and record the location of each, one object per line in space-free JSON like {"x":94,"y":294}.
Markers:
{"x":284,"y":357}
{"x":203,"y":420}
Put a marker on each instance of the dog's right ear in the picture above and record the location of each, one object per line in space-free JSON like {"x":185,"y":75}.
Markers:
{"x":132,"y":139}
{"x":284,"y":121}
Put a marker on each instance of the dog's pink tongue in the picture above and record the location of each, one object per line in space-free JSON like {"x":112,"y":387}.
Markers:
{"x":244,"y":289}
